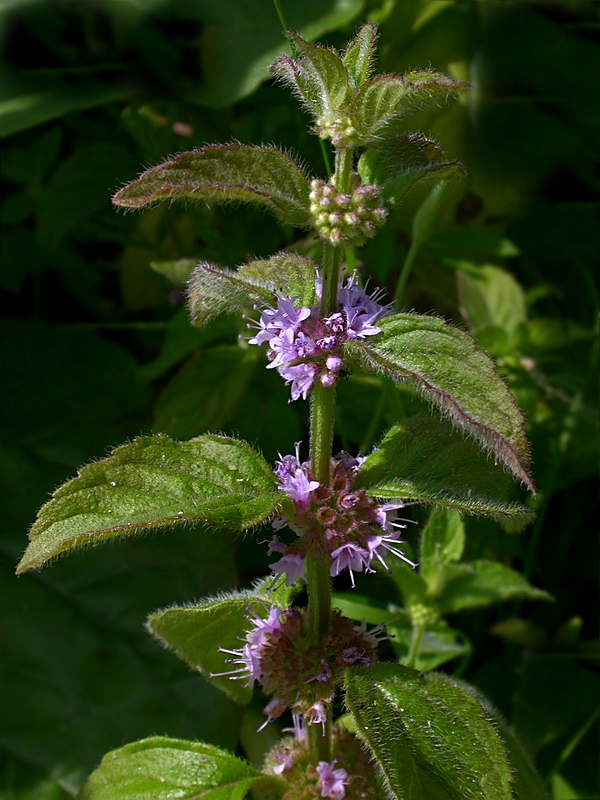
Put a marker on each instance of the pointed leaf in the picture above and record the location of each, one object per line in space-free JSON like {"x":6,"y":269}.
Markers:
{"x":449,"y":370}
{"x":215,"y":290}
{"x":480,"y":583}
{"x":196,"y":633}
{"x":426,"y":460}
{"x":431,"y":738}
{"x":397,"y":165}
{"x":383,"y":100}
{"x":443,"y":542}
{"x":298,"y":77}
{"x":177,"y":271}
{"x":439,"y":645}
{"x":360,"y":54}
{"x":159,"y":768}
{"x":233,"y":172}
{"x":152,"y":484}
{"x":324,"y":70}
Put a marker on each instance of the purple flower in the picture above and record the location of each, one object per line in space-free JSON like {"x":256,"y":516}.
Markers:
{"x":351,"y":557}
{"x":294,"y":479}
{"x":332,"y":782}
{"x":292,"y":566}
{"x":305,"y":348}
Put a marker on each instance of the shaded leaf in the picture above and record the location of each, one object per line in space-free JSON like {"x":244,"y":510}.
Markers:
{"x":196,"y":633}
{"x":359,"y":56}
{"x":426,"y":460}
{"x":449,"y":370}
{"x":482,"y":582}
{"x":172,"y":769}
{"x":383,"y":100}
{"x":152,"y":484}
{"x":177,"y":271}
{"x":431,"y":738}
{"x":443,"y":542}
{"x":398,"y":164}
{"x":215,"y":290}
{"x":264,"y":176}
{"x":439,"y":645}
{"x":490,"y":296}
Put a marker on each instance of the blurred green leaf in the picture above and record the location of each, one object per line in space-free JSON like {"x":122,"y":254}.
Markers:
{"x":177,"y":272}
{"x":165,"y":769}
{"x":440,"y":644}
{"x":482,"y":582}
{"x":491,"y":296}
{"x":263,"y":176}
{"x":447,"y":367}
{"x":427,"y":460}
{"x":443,"y":542}
{"x":431,"y":738}
{"x":153,"y":484}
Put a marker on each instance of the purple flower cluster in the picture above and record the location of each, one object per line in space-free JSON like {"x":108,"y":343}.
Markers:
{"x":305,"y":348}
{"x":300,"y":675}
{"x":332,"y":781}
{"x":338,"y":523}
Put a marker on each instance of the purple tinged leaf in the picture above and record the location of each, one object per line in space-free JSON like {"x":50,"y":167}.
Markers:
{"x":383,"y":100}
{"x":398,"y":164}
{"x":448,"y":368}
{"x":263,"y":176}
{"x":360,"y":54}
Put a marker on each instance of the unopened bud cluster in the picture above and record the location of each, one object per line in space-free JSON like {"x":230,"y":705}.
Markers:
{"x":422,"y":615}
{"x":340,"y":130}
{"x":346,"y":219}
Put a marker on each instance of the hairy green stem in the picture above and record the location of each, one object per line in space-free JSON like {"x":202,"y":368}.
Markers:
{"x":321,"y":437}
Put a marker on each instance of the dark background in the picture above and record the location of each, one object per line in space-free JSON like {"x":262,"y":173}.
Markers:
{"x":96,"y":347}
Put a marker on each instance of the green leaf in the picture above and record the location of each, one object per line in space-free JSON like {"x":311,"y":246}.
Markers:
{"x":215,"y":290}
{"x":326,"y":75}
{"x":196,"y":633}
{"x":431,"y":738}
{"x":490,"y":296}
{"x":383,"y":100}
{"x":359,"y":56}
{"x":450,"y":371}
{"x":177,"y":271}
{"x":398,"y":164}
{"x":152,"y":484}
{"x":173,"y":769}
{"x":264,"y":176}
{"x":203,"y":395}
{"x":426,"y":460}
{"x":480,"y":583}
{"x":439,"y":645}
{"x":443,"y":542}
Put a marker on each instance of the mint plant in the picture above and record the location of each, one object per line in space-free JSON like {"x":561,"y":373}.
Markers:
{"x":407,"y":732}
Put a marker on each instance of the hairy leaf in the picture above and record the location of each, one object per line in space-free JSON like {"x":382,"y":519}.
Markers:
{"x":426,"y":460}
{"x":397,"y":165}
{"x":152,"y":484}
{"x":173,"y":769}
{"x":326,"y":77}
{"x":360,"y":54}
{"x":215,"y":290}
{"x":264,"y":176}
{"x":196,"y":633}
{"x":383,"y":100}
{"x":431,"y":738}
{"x":480,"y":583}
{"x":449,"y":370}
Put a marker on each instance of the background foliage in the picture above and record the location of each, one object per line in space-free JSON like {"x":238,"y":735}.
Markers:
{"x":97,"y":348}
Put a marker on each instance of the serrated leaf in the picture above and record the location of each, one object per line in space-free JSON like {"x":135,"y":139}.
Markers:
{"x":159,"y":768}
{"x":196,"y":633}
{"x":480,"y":583}
{"x":214,"y":290}
{"x":152,"y":484}
{"x":426,"y":460}
{"x":264,"y":176}
{"x":450,"y":371}
{"x":383,"y":100}
{"x":431,"y":738}
{"x":359,"y":56}
{"x":443,"y":542}
{"x":322,"y":77}
{"x":403,"y":162}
